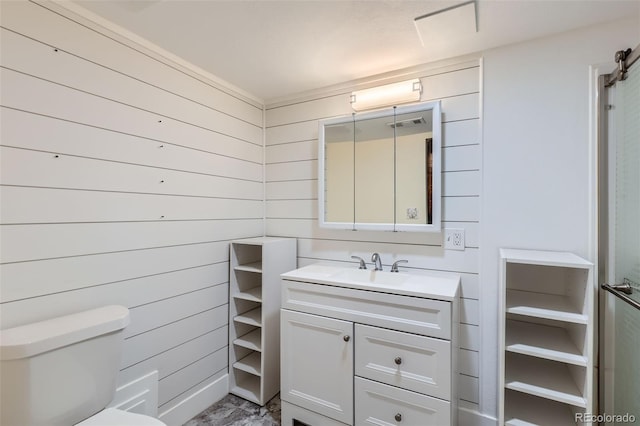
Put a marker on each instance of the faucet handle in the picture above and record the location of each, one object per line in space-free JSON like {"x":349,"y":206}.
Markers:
{"x":362,"y":264}
{"x":394,"y":267}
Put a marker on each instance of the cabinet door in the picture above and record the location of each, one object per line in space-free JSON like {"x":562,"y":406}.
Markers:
{"x":317,"y":364}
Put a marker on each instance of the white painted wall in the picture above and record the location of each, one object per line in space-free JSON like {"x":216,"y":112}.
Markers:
{"x":124,"y":177}
{"x":291,"y":175}
{"x":537,"y":169}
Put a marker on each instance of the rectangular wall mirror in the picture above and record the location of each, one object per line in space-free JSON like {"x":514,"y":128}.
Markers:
{"x":381,"y":170}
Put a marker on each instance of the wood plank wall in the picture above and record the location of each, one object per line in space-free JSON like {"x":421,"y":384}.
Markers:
{"x":124,"y":177}
{"x":292,"y":208}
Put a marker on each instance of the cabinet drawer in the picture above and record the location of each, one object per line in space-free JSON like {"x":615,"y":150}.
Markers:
{"x":292,"y":415}
{"x":413,"y":314}
{"x":409,"y":361}
{"x":378,"y":404}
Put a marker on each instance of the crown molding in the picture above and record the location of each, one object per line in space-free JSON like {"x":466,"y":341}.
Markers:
{"x":85,"y":17}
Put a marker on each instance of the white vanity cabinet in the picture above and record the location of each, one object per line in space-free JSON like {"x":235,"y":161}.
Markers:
{"x":380,"y":352}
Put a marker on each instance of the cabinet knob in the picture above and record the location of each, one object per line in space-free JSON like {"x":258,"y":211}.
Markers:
{"x":346,"y":338}
{"x":398,"y":361}
{"x":398,"y":417}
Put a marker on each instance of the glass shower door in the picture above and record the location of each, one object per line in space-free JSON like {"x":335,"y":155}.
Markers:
{"x":621,"y":334}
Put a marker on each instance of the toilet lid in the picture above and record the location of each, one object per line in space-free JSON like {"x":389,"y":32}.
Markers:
{"x":115,"y":417}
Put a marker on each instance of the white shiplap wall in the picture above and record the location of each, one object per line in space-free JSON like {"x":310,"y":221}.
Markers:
{"x":124,"y":177}
{"x":291,"y":196}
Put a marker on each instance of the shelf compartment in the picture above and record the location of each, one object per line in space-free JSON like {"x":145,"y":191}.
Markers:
{"x":247,"y":387}
{"x":251,"y":340}
{"x":250,"y":364}
{"x":543,"y":305}
{"x":543,"y":341}
{"x":252,"y":317}
{"x":253,"y":294}
{"x":246,"y":256}
{"x":547,"y":379}
{"x":250,"y":267}
{"x":527,"y":410}
{"x":544,"y":258}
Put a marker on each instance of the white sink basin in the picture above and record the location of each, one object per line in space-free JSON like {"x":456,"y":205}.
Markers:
{"x":439,"y":285}
{"x":370,"y":276}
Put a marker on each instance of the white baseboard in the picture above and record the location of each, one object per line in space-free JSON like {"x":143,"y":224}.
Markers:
{"x":139,"y":396}
{"x":197,"y":402}
{"x":467,"y":417}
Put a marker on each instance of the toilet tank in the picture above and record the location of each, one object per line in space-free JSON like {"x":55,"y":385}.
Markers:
{"x":63,"y":370}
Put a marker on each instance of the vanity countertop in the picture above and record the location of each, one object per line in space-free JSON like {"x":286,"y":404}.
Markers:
{"x":433,"y":285}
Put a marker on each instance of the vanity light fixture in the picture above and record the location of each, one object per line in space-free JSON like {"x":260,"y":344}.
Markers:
{"x":387,"y":95}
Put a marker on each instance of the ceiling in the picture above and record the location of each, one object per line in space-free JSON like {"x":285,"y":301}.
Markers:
{"x":272,"y":49}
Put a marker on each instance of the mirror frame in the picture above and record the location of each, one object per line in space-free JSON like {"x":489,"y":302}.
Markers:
{"x":436,"y":195}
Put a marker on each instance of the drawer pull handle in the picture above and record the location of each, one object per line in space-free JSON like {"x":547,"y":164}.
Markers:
{"x":346,"y":338}
{"x":398,"y":361}
{"x":398,"y":417}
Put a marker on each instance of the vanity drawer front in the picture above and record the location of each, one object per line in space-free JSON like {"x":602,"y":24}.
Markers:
{"x":379,"y":404}
{"x":292,"y":415}
{"x":413,"y":314}
{"x":409,"y":361}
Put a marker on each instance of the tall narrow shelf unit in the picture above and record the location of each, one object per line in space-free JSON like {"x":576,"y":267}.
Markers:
{"x":546,"y":341}
{"x":254,"y":315}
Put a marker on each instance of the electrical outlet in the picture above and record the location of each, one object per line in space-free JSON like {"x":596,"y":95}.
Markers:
{"x":454,"y":239}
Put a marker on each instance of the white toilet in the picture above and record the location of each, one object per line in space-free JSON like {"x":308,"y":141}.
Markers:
{"x":63,"y":371}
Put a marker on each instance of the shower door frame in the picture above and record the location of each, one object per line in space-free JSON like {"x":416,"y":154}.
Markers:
{"x":605,"y":95}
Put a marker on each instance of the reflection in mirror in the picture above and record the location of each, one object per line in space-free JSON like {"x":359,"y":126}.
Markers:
{"x":339,"y":172}
{"x":380,"y":170}
{"x":374,"y":170}
{"x":413,"y":156}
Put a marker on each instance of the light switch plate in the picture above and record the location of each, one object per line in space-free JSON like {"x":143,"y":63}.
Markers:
{"x":454,"y":239}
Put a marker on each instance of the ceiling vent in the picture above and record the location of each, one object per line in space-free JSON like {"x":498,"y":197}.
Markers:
{"x":447,"y":23}
{"x":410,"y":122}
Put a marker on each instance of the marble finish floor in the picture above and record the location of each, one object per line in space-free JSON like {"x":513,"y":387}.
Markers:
{"x":234,"y":411}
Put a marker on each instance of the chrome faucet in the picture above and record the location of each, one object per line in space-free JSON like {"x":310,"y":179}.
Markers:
{"x":394,"y":267}
{"x":362,"y":264}
{"x":377,"y":262}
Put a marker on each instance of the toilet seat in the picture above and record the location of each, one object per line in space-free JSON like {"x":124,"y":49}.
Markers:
{"x":115,"y":417}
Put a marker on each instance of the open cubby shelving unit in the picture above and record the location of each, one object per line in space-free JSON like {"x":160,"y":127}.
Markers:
{"x":254,"y":315}
{"x":546,"y":338}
